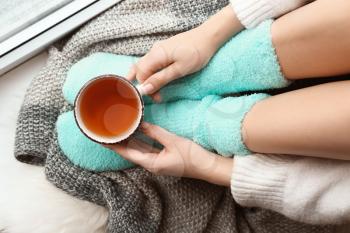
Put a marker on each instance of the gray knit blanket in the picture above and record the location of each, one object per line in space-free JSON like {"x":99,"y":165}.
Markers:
{"x":137,"y":200}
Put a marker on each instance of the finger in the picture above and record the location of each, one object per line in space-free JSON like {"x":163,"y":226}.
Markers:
{"x":134,"y":155}
{"x":161,"y":78}
{"x":156,"y":97}
{"x":142,"y":69}
{"x":143,"y":147}
{"x":159,"y":134}
{"x":132,"y":73}
{"x":135,"y":144}
{"x":125,"y":151}
{"x":153,"y":61}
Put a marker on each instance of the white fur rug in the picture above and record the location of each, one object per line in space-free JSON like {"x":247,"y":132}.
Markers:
{"x":28,"y":202}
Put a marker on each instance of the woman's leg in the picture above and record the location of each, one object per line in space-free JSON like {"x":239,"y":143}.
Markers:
{"x":313,"y":121}
{"x":314,"y":41}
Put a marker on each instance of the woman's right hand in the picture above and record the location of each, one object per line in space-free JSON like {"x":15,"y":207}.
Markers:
{"x":184,"y":53}
{"x":173,"y":58}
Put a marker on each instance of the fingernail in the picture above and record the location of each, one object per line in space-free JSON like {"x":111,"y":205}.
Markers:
{"x":157,"y":98}
{"x":144,"y":125}
{"x":147,"y":88}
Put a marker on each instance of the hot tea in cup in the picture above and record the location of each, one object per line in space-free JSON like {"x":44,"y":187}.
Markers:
{"x":108,"y":109}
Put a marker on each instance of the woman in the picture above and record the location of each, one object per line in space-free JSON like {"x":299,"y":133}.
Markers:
{"x":313,"y":41}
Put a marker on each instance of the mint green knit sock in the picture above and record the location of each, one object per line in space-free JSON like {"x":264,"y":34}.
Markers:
{"x":92,"y":66}
{"x":214,"y":123}
{"x":83,"y":152}
{"x":247,"y":62}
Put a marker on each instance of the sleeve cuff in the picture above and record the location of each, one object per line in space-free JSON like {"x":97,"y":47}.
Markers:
{"x":252,"y":12}
{"x":259,"y":181}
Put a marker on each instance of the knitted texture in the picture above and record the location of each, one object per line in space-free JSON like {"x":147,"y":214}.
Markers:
{"x":213,"y":123}
{"x":252,"y":12}
{"x":93,"y":66}
{"x":83,"y":152}
{"x":137,"y":200}
{"x":247,"y":62}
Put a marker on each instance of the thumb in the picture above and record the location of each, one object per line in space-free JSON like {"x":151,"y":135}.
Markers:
{"x":161,"y":78}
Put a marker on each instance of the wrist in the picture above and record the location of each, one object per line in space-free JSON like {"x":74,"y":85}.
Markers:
{"x":222,"y":172}
{"x":211,"y":167}
{"x":198,"y":163}
{"x":221,"y":27}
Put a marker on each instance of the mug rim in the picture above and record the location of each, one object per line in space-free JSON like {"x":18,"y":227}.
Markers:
{"x":102,"y":77}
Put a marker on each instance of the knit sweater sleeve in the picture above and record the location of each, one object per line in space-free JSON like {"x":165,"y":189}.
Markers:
{"x":305,"y":189}
{"x":253,"y":12}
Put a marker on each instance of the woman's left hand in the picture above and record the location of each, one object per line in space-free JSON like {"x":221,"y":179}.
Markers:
{"x":180,"y":157}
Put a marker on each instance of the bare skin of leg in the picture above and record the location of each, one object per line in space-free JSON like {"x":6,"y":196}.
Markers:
{"x":313,"y":41}
{"x":313,"y":121}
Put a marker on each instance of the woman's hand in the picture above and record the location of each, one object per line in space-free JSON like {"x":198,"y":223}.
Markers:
{"x":184,"y":53}
{"x":180,"y":157}
{"x":173,"y":58}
